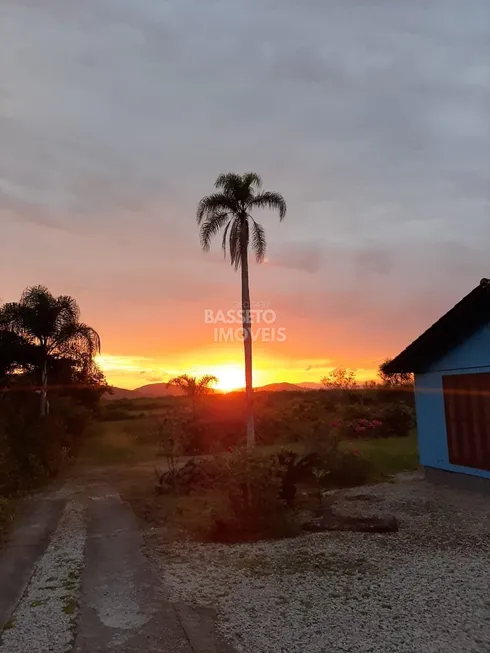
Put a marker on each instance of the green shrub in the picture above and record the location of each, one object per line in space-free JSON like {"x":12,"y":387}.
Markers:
{"x":243,"y":496}
{"x":398,"y":418}
{"x":349,"y":468}
{"x":382,"y":420}
{"x":251,"y":486}
{"x":196,"y":475}
{"x":295,"y":469}
{"x":34,"y":448}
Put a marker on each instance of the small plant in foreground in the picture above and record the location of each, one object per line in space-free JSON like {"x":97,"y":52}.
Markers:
{"x":320,"y":476}
{"x":350,"y":468}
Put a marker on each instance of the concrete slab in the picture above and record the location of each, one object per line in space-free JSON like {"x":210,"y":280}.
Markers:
{"x":25,"y":545}
{"x":122,"y":605}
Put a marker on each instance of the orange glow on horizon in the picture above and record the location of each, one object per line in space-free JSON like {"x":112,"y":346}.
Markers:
{"x":135,"y":371}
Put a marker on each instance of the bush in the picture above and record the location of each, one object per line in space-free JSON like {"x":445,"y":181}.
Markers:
{"x":251,"y":483}
{"x":243,"y":496}
{"x":398,"y":418}
{"x":197,"y":474}
{"x":349,"y":468}
{"x":376,"y":421}
{"x":34,"y":448}
{"x":250,"y":496}
{"x":296,"y":469}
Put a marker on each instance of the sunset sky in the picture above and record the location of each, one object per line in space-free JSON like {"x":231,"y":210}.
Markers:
{"x":371,"y":118}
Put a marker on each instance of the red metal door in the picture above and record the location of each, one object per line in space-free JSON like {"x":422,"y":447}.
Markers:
{"x":467,"y":407}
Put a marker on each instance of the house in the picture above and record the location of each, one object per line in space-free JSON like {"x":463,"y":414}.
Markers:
{"x":451,"y":365}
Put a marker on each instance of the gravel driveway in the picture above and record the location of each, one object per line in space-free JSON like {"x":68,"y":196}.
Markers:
{"x":424,"y":589}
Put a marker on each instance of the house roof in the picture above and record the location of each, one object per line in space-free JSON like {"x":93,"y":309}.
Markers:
{"x":458,"y":324}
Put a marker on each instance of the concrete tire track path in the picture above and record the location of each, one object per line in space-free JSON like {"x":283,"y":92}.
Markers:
{"x":73,"y":579}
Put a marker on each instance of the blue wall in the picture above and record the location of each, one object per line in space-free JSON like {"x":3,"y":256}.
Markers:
{"x":471,"y":357}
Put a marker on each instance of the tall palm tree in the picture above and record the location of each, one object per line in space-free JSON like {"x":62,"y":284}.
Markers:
{"x":192,"y":386}
{"x":52,"y":325}
{"x":230,"y":209}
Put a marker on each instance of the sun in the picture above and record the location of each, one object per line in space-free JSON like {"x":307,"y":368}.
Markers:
{"x":230,"y":377}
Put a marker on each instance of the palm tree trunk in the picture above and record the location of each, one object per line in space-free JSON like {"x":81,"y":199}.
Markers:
{"x":247,"y":344}
{"x":44,"y":388}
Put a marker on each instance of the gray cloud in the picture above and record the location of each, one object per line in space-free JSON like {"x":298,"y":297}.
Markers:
{"x":305,"y":257}
{"x":370,"y":117}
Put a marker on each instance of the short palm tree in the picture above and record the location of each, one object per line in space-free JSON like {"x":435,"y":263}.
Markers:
{"x":51,"y":324}
{"x":193,"y":387}
{"x":230,"y":209}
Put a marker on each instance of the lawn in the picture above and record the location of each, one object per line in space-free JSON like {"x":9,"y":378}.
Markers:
{"x":389,"y":455}
{"x":131,"y":441}
{"x":116,"y":443}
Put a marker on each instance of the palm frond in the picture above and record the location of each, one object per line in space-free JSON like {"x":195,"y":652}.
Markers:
{"x":67,"y":308}
{"x":182,"y":381}
{"x":36,"y":297}
{"x":270,"y":200}
{"x":210,"y":227}
{"x":206,"y":380}
{"x":211,"y":204}
{"x":259,"y":243}
{"x":252,"y":179}
{"x":225,"y":235}
{"x":237,"y":233}
{"x":76,"y":339}
{"x":10,"y":317}
{"x":228,"y":181}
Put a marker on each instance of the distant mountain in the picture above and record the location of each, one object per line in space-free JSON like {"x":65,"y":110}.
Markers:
{"x":159,"y":390}
{"x":149,"y":390}
{"x":121,"y":393}
{"x":311,"y":385}
{"x":281,"y":387}
{"x":304,"y":386}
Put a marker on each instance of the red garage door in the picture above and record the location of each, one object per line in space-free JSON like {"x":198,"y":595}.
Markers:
{"x":467,"y":406}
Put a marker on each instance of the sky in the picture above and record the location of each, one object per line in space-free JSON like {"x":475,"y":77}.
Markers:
{"x":371,"y":118}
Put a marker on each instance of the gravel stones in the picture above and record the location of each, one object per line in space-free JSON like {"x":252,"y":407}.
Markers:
{"x":44,"y":620}
{"x":424,"y":589}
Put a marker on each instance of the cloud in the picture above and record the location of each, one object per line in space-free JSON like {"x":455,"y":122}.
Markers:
{"x":302,"y":257}
{"x":371,"y":118}
{"x":319,"y":366}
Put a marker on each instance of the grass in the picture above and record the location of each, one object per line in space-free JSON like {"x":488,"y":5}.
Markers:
{"x":113,"y":443}
{"x":389,"y":455}
{"x":70,"y":606}
{"x":128,"y":442}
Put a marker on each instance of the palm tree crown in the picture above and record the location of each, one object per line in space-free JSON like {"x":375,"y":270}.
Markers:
{"x":50,"y":322}
{"x":231,"y":209}
{"x":192,"y":386}
{"x":51,"y":326}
